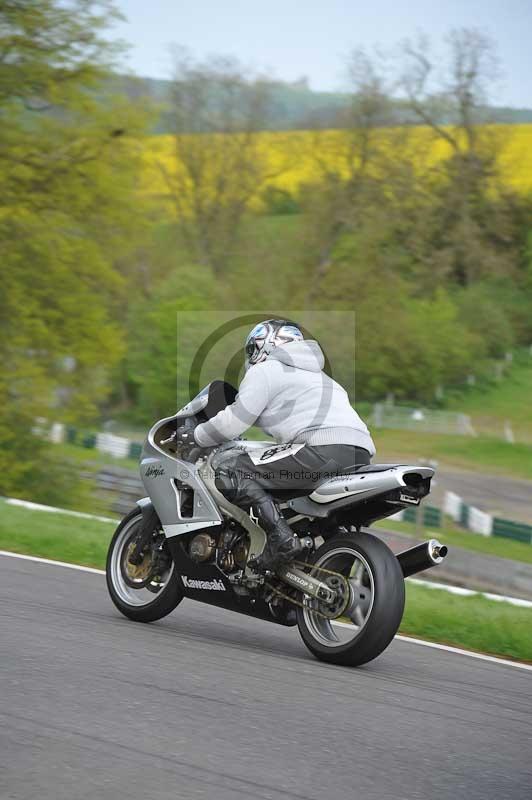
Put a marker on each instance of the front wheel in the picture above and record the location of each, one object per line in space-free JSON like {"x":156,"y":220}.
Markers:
{"x":147,"y":591}
{"x":372,"y":611}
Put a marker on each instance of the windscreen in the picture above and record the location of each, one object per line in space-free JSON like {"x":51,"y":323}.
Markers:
{"x":207,"y":403}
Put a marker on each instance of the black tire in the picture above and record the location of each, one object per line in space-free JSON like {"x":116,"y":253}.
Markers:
{"x":385,"y":615}
{"x":162,"y":604}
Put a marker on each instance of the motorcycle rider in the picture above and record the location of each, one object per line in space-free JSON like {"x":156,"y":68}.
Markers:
{"x":319,"y":434}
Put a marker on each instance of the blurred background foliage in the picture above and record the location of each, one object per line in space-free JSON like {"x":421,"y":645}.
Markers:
{"x":400,"y":201}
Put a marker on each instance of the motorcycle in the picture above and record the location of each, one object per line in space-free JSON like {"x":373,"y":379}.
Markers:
{"x":185,"y":539}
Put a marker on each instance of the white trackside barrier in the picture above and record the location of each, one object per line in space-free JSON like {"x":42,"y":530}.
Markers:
{"x":117,"y":446}
{"x":452,"y":505}
{"x":479,"y":522}
{"x":472,"y":519}
{"x":57,"y":433}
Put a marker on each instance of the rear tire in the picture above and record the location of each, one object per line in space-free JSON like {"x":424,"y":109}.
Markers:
{"x":382,"y":586}
{"x":128,"y":600}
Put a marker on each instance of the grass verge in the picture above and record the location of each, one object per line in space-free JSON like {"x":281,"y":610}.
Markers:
{"x":474,"y":623}
{"x":56,"y":536}
{"x":468,"y":622}
{"x":456,"y":537}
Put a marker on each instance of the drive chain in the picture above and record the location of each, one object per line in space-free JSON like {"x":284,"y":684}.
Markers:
{"x":312,"y":567}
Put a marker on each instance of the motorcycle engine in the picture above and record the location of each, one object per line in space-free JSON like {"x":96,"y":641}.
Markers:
{"x":202,"y":547}
{"x":234,"y":546}
{"x":230,"y":548}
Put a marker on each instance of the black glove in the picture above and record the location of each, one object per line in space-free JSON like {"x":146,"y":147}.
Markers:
{"x":189,"y":450}
{"x":185,"y":435}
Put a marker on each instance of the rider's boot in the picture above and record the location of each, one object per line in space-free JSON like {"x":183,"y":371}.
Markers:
{"x":282,"y":545}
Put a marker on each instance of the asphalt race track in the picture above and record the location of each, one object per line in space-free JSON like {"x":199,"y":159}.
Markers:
{"x":207,"y":704}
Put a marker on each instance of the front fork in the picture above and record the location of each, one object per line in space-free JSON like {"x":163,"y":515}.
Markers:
{"x":150,"y":521}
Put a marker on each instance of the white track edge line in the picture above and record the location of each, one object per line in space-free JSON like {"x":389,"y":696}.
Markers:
{"x":39,"y":560}
{"x":481,"y":656}
{"x":434,"y":645}
{"x":13,"y":501}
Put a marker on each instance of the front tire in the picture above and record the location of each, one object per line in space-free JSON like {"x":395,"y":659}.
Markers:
{"x":373,"y":616}
{"x":138,"y":602}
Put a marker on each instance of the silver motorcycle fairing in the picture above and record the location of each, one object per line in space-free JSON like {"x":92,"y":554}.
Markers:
{"x":165,"y":477}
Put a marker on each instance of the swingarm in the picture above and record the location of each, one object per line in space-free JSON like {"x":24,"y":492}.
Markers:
{"x":306,"y":583}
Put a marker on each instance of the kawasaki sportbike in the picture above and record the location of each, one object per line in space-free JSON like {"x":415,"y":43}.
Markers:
{"x":346,"y":594}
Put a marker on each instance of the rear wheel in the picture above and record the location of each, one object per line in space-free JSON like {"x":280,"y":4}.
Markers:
{"x":372,"y":609}
{"x":147,"y":591}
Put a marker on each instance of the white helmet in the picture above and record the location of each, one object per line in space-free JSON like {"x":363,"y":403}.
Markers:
{"x":266,"y":336}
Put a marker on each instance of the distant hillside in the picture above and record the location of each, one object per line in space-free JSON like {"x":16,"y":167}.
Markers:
{"x":296,"y":106}
{"x":514,"y":116}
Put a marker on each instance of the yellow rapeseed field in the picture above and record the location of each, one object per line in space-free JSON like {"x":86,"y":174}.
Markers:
{"x":296,"y":157}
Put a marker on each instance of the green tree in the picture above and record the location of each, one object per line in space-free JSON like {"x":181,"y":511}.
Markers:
{"x":67,"y":177}
{"x":220,"y":165}
{"x":159,"y":361}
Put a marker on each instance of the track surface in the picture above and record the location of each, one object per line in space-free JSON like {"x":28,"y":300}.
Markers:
{"x":208,"y":704}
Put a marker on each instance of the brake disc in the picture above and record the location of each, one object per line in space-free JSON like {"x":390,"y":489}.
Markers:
{"x":136,"y":574}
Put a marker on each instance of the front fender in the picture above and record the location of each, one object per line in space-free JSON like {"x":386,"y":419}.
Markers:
{"x":147,"y":509}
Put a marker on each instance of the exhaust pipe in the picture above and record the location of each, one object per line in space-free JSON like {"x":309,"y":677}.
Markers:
{"x":421,"y":557}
